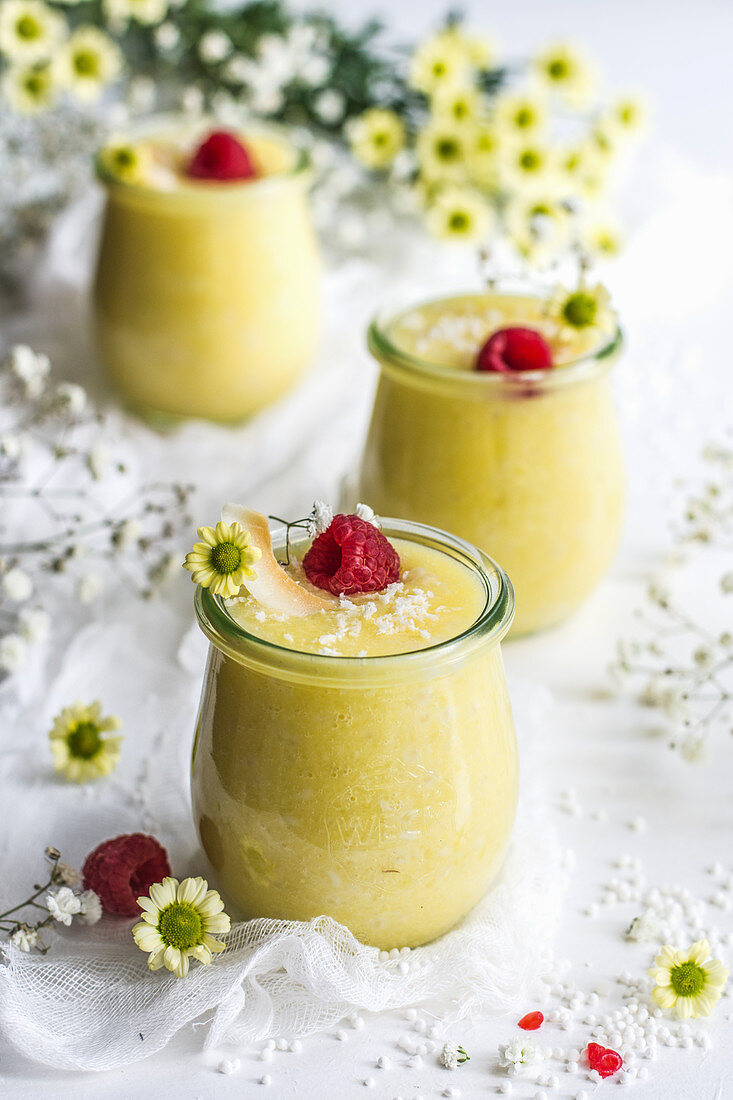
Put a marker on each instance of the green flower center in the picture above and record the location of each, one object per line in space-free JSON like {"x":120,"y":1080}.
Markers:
{"x":438,"y":68}
{"x":28,"y":28}
{"x":84,"y":740}
{"x":124,"y":158}
{"x":86,"y":63}
{"x":580,"y":310}
{"x":529,"y":160}
{"x":687,"y":979}
{"x":226,"y":558}
{"x":524,"y":118}
{"x":381,"y":137}
{"x":459,"y":222}
{"x":447,"y":149}
{"x":180,"y":925}
{"x":558,"y":69}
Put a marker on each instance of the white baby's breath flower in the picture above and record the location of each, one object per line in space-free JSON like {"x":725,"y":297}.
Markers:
{"x":363,"y":511}
{"x":120,"y":12}
{"x":67,"y":874}
{"x":453,"y":1056}
{"x":24,"y":938}
{"x":17,"y":585}
{"x":89,"y":588}
{"x":215,"y":46}
{"x":91,"y":907}
{"x":520,"y":1055}
{"x":644,"y":928}
{"x":192,"y":100}
{"x":98,"y":461}
{"x":329,"y":105}
{"x":32,"y":368}
{"x":13,"y":649}
{"x":320,"y":519}
{"x":71,"y":397}
{"x":726,"y":584}
{"x":34,"y":625}
{"x":126,"y":533}
{"x":693,"y":748}
{"x":11,"y":446}
{"x":167,"y":36}
{"x":63,"y":905}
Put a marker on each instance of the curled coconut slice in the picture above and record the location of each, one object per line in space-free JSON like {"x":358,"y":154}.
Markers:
{"x":272,"y":587}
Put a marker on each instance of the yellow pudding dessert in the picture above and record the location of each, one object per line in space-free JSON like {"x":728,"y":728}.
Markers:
{"x":356,"y":757}
{"x":207,"y":296}
{"x":525,"y":464}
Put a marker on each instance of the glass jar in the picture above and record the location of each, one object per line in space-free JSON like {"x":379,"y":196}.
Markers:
{"x":380,"y":791}
{"x":527,"y":466}
{"x":207,"y":297}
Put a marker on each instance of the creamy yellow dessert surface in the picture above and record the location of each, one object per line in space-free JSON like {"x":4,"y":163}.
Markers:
{"x":382,"y":799}
{"x":530,"y":473}
{"x":436,"y":598}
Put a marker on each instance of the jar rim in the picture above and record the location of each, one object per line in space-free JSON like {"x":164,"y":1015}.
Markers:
{"x":490,"y":626}
{"x":204,"y":190}
{"x":484,"y":382}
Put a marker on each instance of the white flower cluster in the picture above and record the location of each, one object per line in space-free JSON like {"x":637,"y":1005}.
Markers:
{"x":520,"y":1056}
{"x":64,"y":904}
{"x":300,"y":56}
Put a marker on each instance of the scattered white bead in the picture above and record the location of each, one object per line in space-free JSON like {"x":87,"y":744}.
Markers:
{"x":266,"y":1054}
{"x":434,"y":1031}
{"x":270,"y":1044}
{"x":281,"y":1044}
{"x":296,"y":1046}
{"x":265,"y":1079}
{"x":638,"y":825}
{"x":404,"y":968}
{"x":415,"y":1062}
{"x":383,"y":1062}
{"x":369,"y":1082}
{"x":341,"y":1035}
{"x":228,"y":1066}
{"x":572,"y":1067}
{"x":420,"y":1026}
{"x":410,"y":1015}
{"x":505,"y":1087}
{"x":452,"y":1092}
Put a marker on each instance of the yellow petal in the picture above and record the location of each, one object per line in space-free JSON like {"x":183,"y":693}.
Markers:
{"x":699,"y":952}
{"x":164,"y":893}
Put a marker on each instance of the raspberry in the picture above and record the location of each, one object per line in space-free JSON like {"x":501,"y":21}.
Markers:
{"x":124,"y":868}
{"x":514,"y":349}
{"x":603,"y":1060}
{"x":221,"y":157}
{"x":531,"y":1021}
{"x":351,"y":556}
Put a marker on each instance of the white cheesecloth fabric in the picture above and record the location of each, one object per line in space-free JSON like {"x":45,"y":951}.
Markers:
{"x":91,"y":1003}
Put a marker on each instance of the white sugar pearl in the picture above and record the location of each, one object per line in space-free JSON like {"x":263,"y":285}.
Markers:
{"x":265,"y":1079}
{"x":270,"y":1044}
{"x":643,"y":1073}
{"x":572,"y":1067}
{"x":558,"y":1053}
{"x":582,"y":1095}
{"x":404,"y":968}
{"x":341,"y":1035}
{"x":282,"y":1044}
{"x":369,"y":1082}
{"x":228,"y":1065}
{"x":415,"y":1062}
{"x":410,"y":1015}
{"x":357,"y":1022}
{"x":266,"y":1054}
{"x":421,"y":1048}
{"x":420,"y":1027}
{"x":638,"y":825}
{"x":383,"y":1062}
{"x":434,"y":1031}
{"x":553,"y":1082}
{"x":452,"y":1092}
{"x":505,"y":1087}
{"x":574,"y":1054}
{"x":541,"y":1095}
{"x":296,"y":1046}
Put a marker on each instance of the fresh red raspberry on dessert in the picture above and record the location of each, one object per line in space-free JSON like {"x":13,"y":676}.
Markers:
{"x":124,"y":868}
{"x":350,"y":557}
{"x":221,"y":156}
{"x":514,"y":349}
{"x":603,"y":1060}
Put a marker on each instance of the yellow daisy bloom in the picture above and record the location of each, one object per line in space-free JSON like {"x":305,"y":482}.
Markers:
{"x":223,"y":559}
{"x":585,"y":308}
{"x":29,"y":89}
{"x":582,"y":169}
{"x":603,"y":140}
{"x":564,"y":69}
{"x":520,"y":115}
{"x":177,"y":924}
{"x":601,"y":235}
{"x":538,"y":224}
{"x":124,"y":162}
{"x":87,"y":63}
{"x":376,"y":137}
{"x":526,"y":164}
{"x":482,"y":156}
{"x":456,"y":105}
{"x":629,"y":114}
{"x":79,"y":750}
{"x":460,"y":214}
{"x":120,"y":12}
{"x":442,"y":151}
{"x":688,"y":983}
{"x":441,"y":61}
{"x":29,"y":30}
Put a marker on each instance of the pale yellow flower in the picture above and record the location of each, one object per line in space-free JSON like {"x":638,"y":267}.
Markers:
{"x":601,"y":235}
{"x":87,"y":63}
{"x":123,"y":161}
{"x":526,"y":165}
{"x":688,"y":983}
{"x":442,"y":150}
{"x":564,"y":68}
{"x":29,"y":30}
{"x":456,"y":105}
{"x":482,"y":155}
{"x":460,"y":214}
{"x":580,"y":310}
{"x":376,"y":137}
{"x":538,"y":224}
{"x":180,"y":921}
{"x":582,"y":169}
{"x":120,"y":12}
{"x":79,"y":750}
{"x":223,"y":559}
{"x":440,"y":61}
{"x":520,"y":115}
{"x":604,"y":141}
{"x":628,"y":114}
{"x":29,"y":89}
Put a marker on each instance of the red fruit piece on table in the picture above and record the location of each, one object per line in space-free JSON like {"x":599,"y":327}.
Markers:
{"x":350,"y":557}
{"x":512,"y":350}
{"x":603,"y":1060}
{"x":531,"y":1021}
{"x":124,"y":868}
{"x":221,"y":156}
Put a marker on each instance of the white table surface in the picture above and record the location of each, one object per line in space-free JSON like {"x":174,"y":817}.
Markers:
{"x":674,"y":291}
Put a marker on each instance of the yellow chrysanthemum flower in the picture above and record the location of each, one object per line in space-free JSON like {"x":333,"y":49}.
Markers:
{"x":563,"y":68}
{"x":520,"y":115}
{"x":376,"y":137}
{"x":688,"y":983}
{"x":29,"y":89}
{"x":603,"y":140}
{"x":223,"y":559}
{"x":29,"y":30}
{"x":441,"y":61}
{"x":601,"y":235}
{"x":87,"y":63}
{"x":456,"y":105}
{"x":79,"y":750}
{"x":482,"y":156}
{"x":120,"y":12}
{"x":538,"y":225}
{"x":442,"y":151}
{"x":526,"y":164}
{"x":628,"y":114}
{"x":581,"y":309}
{"x":125,"y":162}
{"x":460,"y":214}
{"x":180,"y":921}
